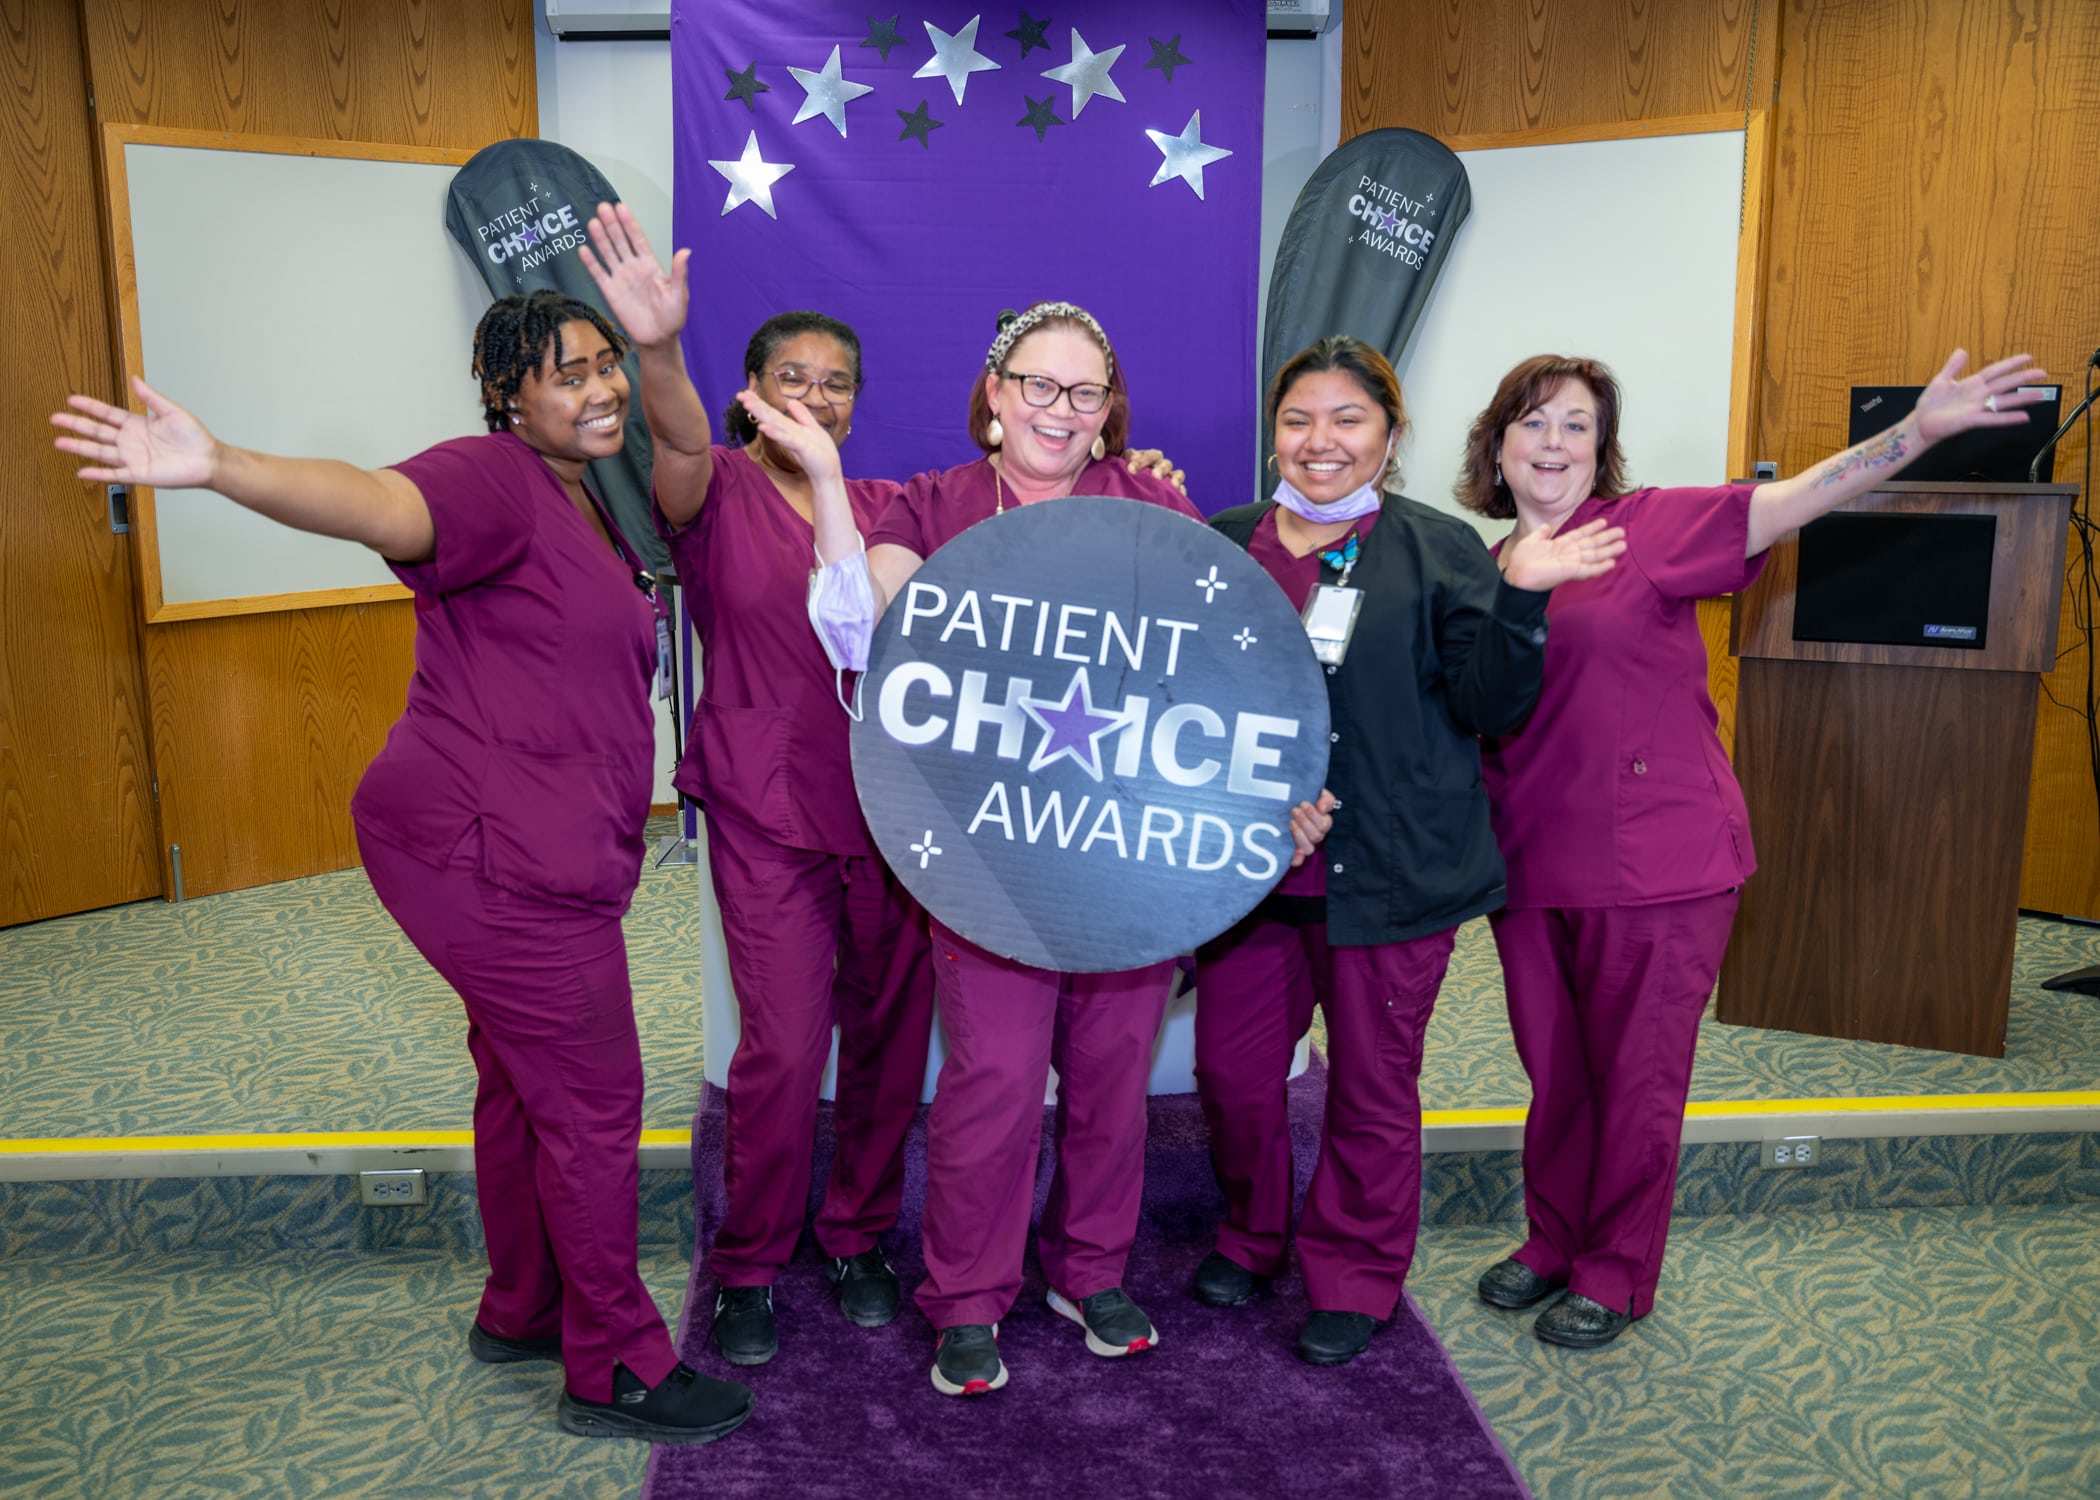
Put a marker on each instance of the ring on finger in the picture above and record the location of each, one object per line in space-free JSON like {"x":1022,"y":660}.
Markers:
{"x":1990,"y":402}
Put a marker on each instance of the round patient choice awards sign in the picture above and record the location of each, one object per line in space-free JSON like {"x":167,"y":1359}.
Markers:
{"x":1083,"y":727}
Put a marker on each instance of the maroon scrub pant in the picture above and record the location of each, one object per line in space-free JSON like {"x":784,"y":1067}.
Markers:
{"x":1605,"y":1005}
{"x":1007,"y":1025}
{"x":1255,"y":991}
{"x":558,"y":1115}
{"x":815,"y":938}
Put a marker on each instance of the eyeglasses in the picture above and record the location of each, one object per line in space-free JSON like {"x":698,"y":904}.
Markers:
{"x":796,"y":383}
{"x":1041,"y":390}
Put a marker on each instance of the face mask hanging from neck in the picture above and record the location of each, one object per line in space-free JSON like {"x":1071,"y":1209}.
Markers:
{"x":1353,"y":506}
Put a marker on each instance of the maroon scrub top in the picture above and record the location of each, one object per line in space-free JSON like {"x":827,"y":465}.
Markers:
{"x":1617,"y":791}
{"x":529,"y":708}
{"x":769,"y":742}
{"x":943,"y":503}
{"x":1297,"y":577}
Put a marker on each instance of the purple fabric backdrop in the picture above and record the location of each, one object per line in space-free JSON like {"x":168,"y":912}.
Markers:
{"x":918,"y":233}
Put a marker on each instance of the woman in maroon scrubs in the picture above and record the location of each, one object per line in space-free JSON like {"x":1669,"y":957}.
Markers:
{"x":1620,"y":818}
{"x":502,"y":824}
{"x":817,"y":928}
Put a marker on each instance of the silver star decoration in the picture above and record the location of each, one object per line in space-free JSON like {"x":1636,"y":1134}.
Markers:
{"x":1185,"y":156}
{"x":827,"y":93}
{"x":955,"y":56}
{"x":751,"y":178}
{"x":1087,"y":73}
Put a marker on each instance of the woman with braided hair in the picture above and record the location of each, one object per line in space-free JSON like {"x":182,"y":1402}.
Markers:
{"x":502,"y":823}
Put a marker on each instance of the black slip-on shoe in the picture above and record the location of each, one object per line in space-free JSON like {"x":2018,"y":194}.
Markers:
{"x":967,"y":1362}
{"x":1576,"y":1322}
{"x":495,"y":1349}
{"x":1222,"y":1282}
{"x":1510,"y":1284}
{"x":1335,"y":1338}
{"x":743,"y":1327}
{"x":867,"y":1287}
{"x":1115,"y":1325}
{"x":684,"y":1407}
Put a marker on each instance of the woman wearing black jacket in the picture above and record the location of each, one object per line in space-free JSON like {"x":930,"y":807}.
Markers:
{"x":1443,"y":649}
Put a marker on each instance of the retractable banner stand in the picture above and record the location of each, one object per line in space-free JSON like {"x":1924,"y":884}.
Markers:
{"x":1083,"y":727}
{"x":1364,"y":245}
{"x":518,"y":210}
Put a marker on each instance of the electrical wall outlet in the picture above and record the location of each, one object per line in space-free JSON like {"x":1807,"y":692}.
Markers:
{"x":393,"y":1189}
{"x":1791,"y":1151}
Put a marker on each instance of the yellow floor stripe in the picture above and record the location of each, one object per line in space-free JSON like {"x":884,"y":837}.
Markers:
{"x":296,"y":1140}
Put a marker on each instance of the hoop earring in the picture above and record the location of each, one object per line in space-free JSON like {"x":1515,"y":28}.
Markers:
{"x":1272,"y":465}
{"x":1099,"y":450}
{"x":994,"y":434}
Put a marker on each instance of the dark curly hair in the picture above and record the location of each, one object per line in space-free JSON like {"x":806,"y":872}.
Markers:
{"x":1524,"y":390}
{"x":766,"y":343}
{"x":513,"y":337}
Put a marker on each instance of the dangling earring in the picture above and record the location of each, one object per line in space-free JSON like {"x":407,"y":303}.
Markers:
{"x":847,"y":433}
{"x":1498,"y":476}
{"x":994,"y":434}
{"x":1099,"y":449}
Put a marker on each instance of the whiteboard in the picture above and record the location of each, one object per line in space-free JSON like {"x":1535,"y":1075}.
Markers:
{"x":304,"y":305}
{"x":1622,"y":250}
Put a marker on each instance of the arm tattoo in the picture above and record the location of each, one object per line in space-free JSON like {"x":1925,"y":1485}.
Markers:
{"x":1892,"y":447}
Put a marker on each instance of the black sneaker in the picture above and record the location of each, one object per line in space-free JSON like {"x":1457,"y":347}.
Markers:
{"x":967,"y":1362}
{"x":684,"y":1407}
{"x":1115,"y":1325}
{"x":867,"y":1287}
{"x":1335,"y":1338}
{"x":494,"y":1349}
{"x":1222,"y":1282}
{"x":743,"y":1327}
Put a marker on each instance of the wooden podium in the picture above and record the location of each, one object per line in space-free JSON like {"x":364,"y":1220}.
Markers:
{"x":1887,"y":788}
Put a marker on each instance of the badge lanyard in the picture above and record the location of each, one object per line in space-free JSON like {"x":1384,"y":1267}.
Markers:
{"x":1330,"y":613}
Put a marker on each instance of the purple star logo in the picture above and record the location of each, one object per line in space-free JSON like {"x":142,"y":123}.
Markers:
{"x":1072,"y":728}
{"x":529,"y":235}
{"x":1390,"y":223}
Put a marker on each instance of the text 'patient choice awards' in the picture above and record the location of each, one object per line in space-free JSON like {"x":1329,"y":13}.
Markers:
{"x":1083,"y":727}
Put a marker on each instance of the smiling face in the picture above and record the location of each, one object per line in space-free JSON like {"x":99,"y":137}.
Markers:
{"x":1049,"y":444}
{"x":1549,"y":454}
{"x":1332,"y":437}
{"x":823,"y":362}
{"x":575,"y":412}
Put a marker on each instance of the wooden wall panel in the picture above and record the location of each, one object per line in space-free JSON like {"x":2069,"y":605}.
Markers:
{"x":76,"y":815}
{"x":262,"y":724}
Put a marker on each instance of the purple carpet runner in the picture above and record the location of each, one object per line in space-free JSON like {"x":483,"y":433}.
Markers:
{"x":1223,"y":1408}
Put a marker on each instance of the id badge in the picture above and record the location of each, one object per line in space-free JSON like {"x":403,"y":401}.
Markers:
{"x":1330,"y":619}
{"x":663,"y":659}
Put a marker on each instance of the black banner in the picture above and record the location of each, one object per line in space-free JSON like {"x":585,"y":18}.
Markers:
{"x":1363,"y":246}
{"x":518,"y":209}
{"x":1084,"y":725}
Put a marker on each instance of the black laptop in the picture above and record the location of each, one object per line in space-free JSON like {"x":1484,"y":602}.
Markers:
{"x":1990,"y":455}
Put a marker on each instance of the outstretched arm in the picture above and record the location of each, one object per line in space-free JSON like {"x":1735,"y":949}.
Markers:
{"x":651,"y":304}
{"x":167,"y":448}
{"x":1989,"y":398}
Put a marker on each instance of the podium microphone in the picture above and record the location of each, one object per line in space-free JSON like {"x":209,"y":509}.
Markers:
{"x":2034,"y":470}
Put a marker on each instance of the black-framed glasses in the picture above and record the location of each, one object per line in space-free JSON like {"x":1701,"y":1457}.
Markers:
{"x":796,"y":383}
{"x":1040,"y":390}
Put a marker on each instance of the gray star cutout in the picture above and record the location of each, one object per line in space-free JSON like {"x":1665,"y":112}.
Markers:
{"x":919,"y":125}
{"x":751,"y":178}
{"x":955,"y":56}
{"x":827,"y":93}
{"x":745,"y":86}
{"x":1041,"y":115}
{"x":1087,"y":73}
{"x":882,"y":35}
{"x":1166,"y":56}
{"x":1030,"y":34}
{"x":1185,"y":156}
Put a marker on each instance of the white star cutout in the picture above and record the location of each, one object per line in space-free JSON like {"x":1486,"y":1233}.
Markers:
{"x":751,"y":178}
{"x":1087,"y":73}
{"x":955,"y":56}
{"x":1185,"y":156}
{"x":827,"y":93}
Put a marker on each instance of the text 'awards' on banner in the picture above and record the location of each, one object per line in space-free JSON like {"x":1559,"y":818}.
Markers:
{"x":1084,"y":725}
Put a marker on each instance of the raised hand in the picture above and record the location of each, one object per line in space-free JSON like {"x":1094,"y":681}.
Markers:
{"x":164,"y":446}
{"x":795,"y":433}
{"x":1989,"y":398}
{"x":649,"y":302}
{"x":1539,"y":559}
